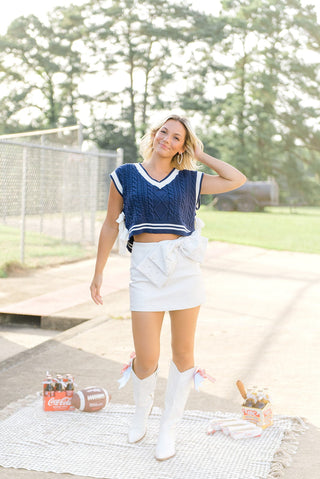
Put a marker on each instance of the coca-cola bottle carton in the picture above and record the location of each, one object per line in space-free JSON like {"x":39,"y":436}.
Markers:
{"x":58,"y":392}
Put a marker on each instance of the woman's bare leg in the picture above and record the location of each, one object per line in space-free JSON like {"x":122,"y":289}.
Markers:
{"x":183,"y":328}
{"x":146,"y":329}
{"x":181,"y":373}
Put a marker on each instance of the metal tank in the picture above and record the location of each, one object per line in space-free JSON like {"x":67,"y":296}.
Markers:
{"x":252,"y":196}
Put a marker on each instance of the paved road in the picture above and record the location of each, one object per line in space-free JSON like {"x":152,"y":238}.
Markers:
{"x":260,"y":324}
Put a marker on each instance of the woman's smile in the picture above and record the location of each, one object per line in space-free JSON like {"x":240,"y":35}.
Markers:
{"x":170,"y":138}
{"x":164,"y":146}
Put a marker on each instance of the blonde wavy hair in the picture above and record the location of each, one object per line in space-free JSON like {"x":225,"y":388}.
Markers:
{"x":191,"y":140}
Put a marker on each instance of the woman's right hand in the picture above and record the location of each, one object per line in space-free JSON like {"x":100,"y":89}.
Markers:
{"x":95,"y":289}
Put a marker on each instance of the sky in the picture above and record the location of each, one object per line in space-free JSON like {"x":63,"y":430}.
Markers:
{"x":16,"y":8}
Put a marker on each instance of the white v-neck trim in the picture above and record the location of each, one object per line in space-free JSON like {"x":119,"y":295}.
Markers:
{"x":159,"y":184}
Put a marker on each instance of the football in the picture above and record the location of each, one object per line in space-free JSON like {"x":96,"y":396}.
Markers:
{"x":90,"y":399}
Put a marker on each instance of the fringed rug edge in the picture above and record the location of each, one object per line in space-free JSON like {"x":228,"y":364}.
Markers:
{"x":282,"y":459}
{"x":15,"y":406}
{"x":289,"y":445}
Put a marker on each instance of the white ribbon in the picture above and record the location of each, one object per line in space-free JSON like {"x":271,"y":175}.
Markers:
{"x":123,"y":235}
{"x":126,"y":372}
{"x":199,"y":376}
{"x":161,"y":262}
{"x":199,"y":224}
{"x":164,"y":258}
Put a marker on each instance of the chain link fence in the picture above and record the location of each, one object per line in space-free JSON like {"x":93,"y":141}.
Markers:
{"x":54,"y":190}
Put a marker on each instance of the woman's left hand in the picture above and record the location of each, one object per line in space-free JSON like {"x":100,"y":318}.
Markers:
{"x":198,"y":152}
{"x":95,"y":289}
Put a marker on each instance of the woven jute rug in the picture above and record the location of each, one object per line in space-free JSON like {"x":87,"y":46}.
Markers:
{"x":95,"y":445}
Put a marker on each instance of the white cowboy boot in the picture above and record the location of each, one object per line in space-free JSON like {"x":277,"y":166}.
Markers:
{"x":178,"y":388}
{"x":143,"y":392}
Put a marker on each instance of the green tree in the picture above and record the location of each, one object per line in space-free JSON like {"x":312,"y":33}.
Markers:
{"x":41,"y":67}
{"x":30,"y":69}
{"x":68,"y":44}
{"x":288,"y":34}
{"x":145,"y":41}
{"x":268,"y":113}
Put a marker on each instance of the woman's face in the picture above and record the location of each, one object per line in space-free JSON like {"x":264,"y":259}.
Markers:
{"x":170,"y":139}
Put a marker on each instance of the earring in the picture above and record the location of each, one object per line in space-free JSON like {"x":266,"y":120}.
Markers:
{"x":180,"y":158}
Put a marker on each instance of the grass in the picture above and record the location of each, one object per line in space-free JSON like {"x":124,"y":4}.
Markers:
{"x":279,"y":228}
{"x":40,"y":250}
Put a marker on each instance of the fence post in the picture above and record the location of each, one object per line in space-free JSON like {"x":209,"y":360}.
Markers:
{"x":64,"y":199}
{"x":119,"y":160}
{"x":80,"y":136}
{"x":82,"y":181}
{"x":23,"y":204}
{"x":93,"y":195}
{"x":42,"y":190}
{"x":84,"y":175}
{"x":4,"y":190}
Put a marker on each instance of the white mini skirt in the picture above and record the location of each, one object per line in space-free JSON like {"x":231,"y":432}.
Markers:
{"x":166,"y":276}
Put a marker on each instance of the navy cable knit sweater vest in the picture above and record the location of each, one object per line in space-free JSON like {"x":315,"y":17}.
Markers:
{"x":151,"y":206}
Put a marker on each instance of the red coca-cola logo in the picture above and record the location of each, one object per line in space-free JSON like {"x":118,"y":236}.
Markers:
{"x":251,"y":413}
{"x":268,"y":414}
{"x":54,"y":402}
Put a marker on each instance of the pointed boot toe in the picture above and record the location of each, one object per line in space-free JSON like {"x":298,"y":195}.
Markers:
{"x":143,"y":391}
{"x":178,"y":388}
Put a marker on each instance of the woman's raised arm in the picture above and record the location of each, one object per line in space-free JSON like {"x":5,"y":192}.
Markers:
{"x":228,"y":177}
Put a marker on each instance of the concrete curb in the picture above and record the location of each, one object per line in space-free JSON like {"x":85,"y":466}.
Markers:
{"x":65,"y":335}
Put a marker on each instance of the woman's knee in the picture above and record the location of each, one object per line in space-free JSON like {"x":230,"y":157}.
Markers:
{"x":144,"y":366}
{"x":183,"y":359}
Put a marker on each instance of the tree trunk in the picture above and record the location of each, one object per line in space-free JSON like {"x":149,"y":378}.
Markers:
{"x":146,"y":90}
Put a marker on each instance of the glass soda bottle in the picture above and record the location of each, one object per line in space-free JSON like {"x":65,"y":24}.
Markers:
{"x":59,"y":387}
{"x":45,"y":382}
{"x":266,"y":395}
{"x":260,"y":404}
{"x":69,"y":385}
{"x":48,"y":390}
{"x":251,"y":400}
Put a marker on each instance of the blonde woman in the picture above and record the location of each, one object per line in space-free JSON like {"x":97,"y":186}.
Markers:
{"x":154,"y":204}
